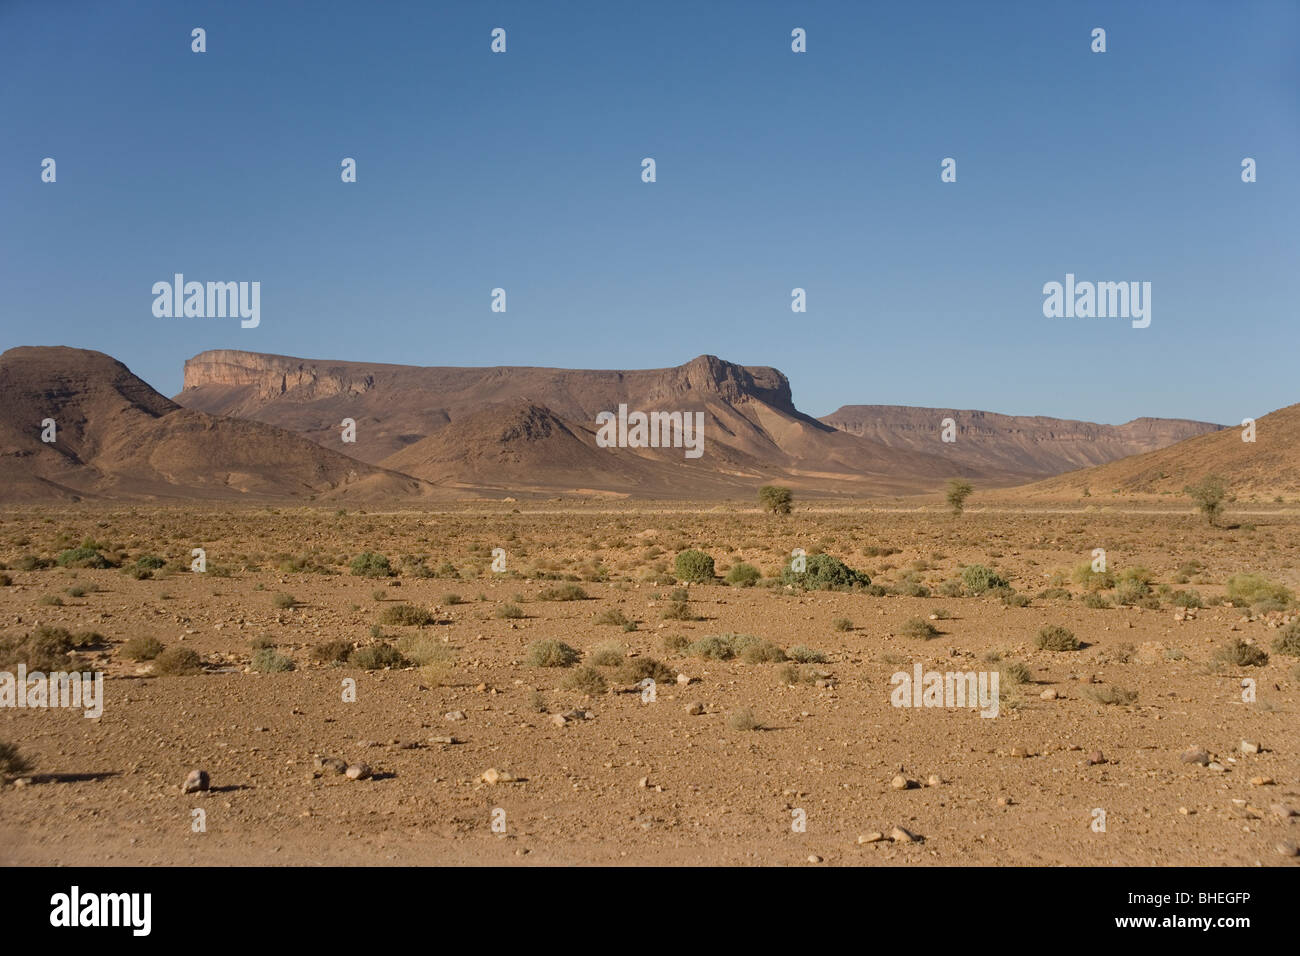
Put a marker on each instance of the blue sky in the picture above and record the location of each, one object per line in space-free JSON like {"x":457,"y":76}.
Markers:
{"x":775,"y":170}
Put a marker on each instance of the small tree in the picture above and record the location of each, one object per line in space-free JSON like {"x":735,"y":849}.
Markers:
{"x":776,"y":499}
{"x":958,"y":492}
{"x":1208,"y":493}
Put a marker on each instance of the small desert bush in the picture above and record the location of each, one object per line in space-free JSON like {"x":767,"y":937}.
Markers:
{"x":586,"y":680}
{"x":1056,"y":638}
{"x":565,"y":592}
{"x":267,"y":660}
{"x":1015,"y":599}
{"x":612,"y":615}
{"x":450,"y":599}
{"x":743,"y":575}
{"x":743,"y":719}
{"x":1092,"y":580}
{"x":637,"y":669}
{"x":51,"y":600}
{"x":175,"y":661}
{"x":407,"y":615}
{"x":1110,"y":694}
{"x":86,"y":556}
{"x":44,"y":649}
{"x":142,"y":648}
{"x":761,"y":652}
{"x":842,"y":624}
{"x":1015,"y":673}
{"x":805,"y":655}
{"x":374,"y":657}
{"x":694,"y":566}
{"x":1095,"y":601}
{"x":678,"y":611}
{"x":606,"y":655}
{"x":712,"y":647}
{"x":369,"y":564}
{"x":332,"y":652}
{"x":549,"y":653}
{"x":1250,"y":588}
{"x":1287,"y":643}
{"x":510,"y":612}
{"x":1238,"y":653}
{"x":284,"y":601}
{"x":919,"y":628}
{"x":676,"y":643}
{"x":76,"y":592}
{"x":823,"y":572}
{"x":977,"y":579}
{"x":11,"y":760}
{"x":1188,"y":598}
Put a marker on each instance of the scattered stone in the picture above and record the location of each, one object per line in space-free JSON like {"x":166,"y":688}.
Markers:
{"x":1287,"y":848}
{"x":683,"y":679}
{"x":195,"y":781}
{"x":358,"y":771}
{"x":559,"y":720}
{"x":1049,"y":694}
{"x":1196,"y":755}
{"x":695,"y":708}
{"x":454,"y":715}
{"x":331,"y":763}
{"x":443,"y":740}
{"x":1005,"y":801}
{"x":493,"y":776}
{"x":1249,"y":748}
{"x":902,"y":783}
{"x":933,"y":780}
{"x":1261,"y":781}
{"x":1217,"y":767}
{"x":1096,"y":757}
{"x":1020,"y":752}
{"x":899,"y":835}
{"x":1283,"y":811}
{"x":875,"y":836}
{"x":814,"y":858}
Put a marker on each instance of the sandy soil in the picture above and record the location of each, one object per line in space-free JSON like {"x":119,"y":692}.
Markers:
{"x":640,"y":782}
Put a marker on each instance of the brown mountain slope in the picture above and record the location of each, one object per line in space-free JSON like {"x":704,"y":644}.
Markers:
{"x":1267,"y":467}
{"x":117,"y":438}
{"x":1016,"y":444}
{"x":753,"y":432}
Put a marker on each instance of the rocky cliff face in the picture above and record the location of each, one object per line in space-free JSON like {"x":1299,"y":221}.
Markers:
{"x":271,"y":376}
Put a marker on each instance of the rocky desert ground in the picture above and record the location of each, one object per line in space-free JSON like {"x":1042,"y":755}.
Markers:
{"x":467,"y":685}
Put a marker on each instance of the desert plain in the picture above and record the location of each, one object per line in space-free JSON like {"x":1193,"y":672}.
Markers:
{"x":385,"y":643}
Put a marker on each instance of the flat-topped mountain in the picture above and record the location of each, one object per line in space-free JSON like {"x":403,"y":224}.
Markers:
{"x":115,"y":437}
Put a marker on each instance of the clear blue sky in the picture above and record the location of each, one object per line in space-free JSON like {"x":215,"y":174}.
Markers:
{"x":775,"y":170}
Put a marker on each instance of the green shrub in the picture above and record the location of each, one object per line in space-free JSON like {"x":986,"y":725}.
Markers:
{"x":919,"y":628}
{"x":368,"y":564}
{"x":977,"y":579}
{"x":823,"y":572}
{"x":565,"y":592}
{"x":606,"y":655}
{"x":713,"y":647}
{"x":1056,"y":638}
{"x":550,"y":653}
{"x":586,"y":680}
{"x":805,"y":655}
{"x":1189,"y":598}
{"x":177,"y":661}
{"x":86,"y":556}
{"x":775,"y":499}
{"x":142,"y":648}
{"x":694,"y":566}
{"x":743,"y":575}
{"x":1249,"y":588}
{"x":373,"y":657}
{"x":1093,"y":580}
{"x":407,"y":615}
{"x":267,"y":661}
